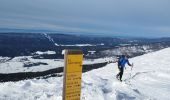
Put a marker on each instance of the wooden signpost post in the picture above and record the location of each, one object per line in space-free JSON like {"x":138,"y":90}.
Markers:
{"x":72,"y":74}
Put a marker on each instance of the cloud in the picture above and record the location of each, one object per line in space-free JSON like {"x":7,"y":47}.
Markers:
{"x":120,"y":17}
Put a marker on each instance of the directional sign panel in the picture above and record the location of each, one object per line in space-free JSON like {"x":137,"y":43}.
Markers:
{"x":72,"y":75}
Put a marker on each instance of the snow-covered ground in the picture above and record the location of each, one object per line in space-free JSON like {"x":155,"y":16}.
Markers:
{"x":16,"y":64}
{"x":149,"y":80}
{"x":46,"y":52}
{"x":80,"y":45}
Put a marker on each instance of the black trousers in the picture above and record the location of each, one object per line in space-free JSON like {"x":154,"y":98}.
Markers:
{"x":120,"y":74}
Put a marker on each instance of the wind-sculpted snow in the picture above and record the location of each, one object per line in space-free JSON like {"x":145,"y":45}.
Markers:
{"x":148,"y":80}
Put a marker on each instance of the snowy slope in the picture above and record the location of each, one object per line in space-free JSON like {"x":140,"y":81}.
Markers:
{"x":149,"y":80}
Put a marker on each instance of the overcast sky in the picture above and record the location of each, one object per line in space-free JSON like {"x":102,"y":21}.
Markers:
{"x":148,"y":18}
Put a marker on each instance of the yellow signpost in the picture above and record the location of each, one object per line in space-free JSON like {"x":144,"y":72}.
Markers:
{"x":72,"y":74}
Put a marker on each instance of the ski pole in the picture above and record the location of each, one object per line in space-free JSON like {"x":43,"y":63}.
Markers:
{"x":132,"y":67}
{"x":131,"y":70}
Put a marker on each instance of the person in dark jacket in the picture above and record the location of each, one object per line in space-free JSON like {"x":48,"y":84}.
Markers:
{"x":122,"y":61}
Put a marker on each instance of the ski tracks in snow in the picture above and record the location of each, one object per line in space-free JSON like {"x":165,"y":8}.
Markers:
{"x":111,"y":89}
{"x":50,"y":39}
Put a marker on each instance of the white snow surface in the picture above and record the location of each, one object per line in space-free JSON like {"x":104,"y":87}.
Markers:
{"x":148,"y":80}
{"x":80,"y":45}
{"x":46,"y":52}
{"x":16,"y":64}
{"x":77,"y":45}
